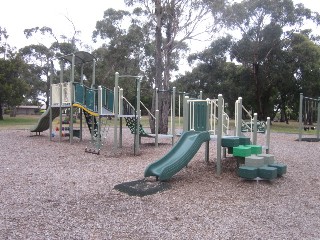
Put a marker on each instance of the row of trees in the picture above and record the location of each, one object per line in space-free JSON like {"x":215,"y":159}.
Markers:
{"x":268,"y":61}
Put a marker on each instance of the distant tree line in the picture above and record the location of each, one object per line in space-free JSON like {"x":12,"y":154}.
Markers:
{"x":264,"y":56}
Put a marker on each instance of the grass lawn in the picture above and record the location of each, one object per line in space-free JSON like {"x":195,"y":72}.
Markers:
{"x":19,"y":122}
{"x":27,"y":121}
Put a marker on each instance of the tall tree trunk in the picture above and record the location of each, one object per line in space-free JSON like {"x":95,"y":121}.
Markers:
{"x":258,"y":90}
{"x":158,"y":62}
{"x":1,"y":111}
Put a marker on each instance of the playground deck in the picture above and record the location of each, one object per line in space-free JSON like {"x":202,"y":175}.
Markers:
{"x":54,"y":190}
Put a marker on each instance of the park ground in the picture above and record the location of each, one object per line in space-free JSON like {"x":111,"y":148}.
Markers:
{"x":54,"y":190}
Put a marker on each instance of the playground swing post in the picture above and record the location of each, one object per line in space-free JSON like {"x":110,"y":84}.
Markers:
{"x":305,"y":105}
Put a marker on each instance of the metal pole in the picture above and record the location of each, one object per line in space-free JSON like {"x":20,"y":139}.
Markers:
{"x":219,"y":133}
{"x":185,"y":114}
{"x":255,"y":128}
{"x":72,"y":98}
{"x":60,"y":99}
{"x":173,"y":114}
{"x":50,"y":103}
{"x":157,"y":128}
{"x":268,"y":135}
{"x":121,"y":113}
{"x":239,"y":117}
{"x":300,"y":116}
{"x":137,"y":136}
{"x":116,"y":108}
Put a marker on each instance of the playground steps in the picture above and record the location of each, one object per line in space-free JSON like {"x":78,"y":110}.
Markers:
{"x":255,"y":163}
{"x":262,"y":166}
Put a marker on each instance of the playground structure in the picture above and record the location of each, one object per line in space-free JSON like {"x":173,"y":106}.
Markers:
{"x":93,"y":103}
{"x":254,"y":126}
{"x":308,"y":108}
{"x":96,"y":104}
{"x":203,"y":120}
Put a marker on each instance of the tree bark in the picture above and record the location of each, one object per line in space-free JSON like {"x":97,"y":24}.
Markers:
{"x":158,"y":63}
{"x":1,"y":111}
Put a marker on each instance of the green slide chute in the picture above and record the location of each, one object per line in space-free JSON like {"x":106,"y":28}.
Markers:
{"x":44,"y":121}
{"x":179,"y":156}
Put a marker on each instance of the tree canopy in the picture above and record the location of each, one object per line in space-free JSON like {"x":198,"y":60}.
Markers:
{"x":265,"y":56}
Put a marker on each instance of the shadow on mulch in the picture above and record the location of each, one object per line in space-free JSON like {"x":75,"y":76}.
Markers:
{"x":309,"y":139}
{"x":142,"y":187}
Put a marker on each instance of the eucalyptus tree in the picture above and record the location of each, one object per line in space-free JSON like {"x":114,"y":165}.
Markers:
{"x":13,"y":87}
{"x":172,"y":23}
{"x":263,"y":25}
{"x":38,"y":56}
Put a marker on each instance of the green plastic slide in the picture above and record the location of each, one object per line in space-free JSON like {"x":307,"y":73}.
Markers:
{"x":179,"y":156}
{"x":44,"y":121}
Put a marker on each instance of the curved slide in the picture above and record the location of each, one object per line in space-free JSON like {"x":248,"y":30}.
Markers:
{"x":178,"y":157}
{"x":44,"y":121}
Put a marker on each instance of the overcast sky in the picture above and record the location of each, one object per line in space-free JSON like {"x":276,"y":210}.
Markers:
{"x":17,"y":15}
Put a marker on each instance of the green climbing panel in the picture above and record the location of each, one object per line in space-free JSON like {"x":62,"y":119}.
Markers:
{"x":131,"y":124}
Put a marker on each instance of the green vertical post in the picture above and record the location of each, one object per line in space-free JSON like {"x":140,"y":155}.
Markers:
{"x":300,"y":116}
{"x":81,"y":111}
{"x":219,"y":133}
{"x":116,"y":107}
